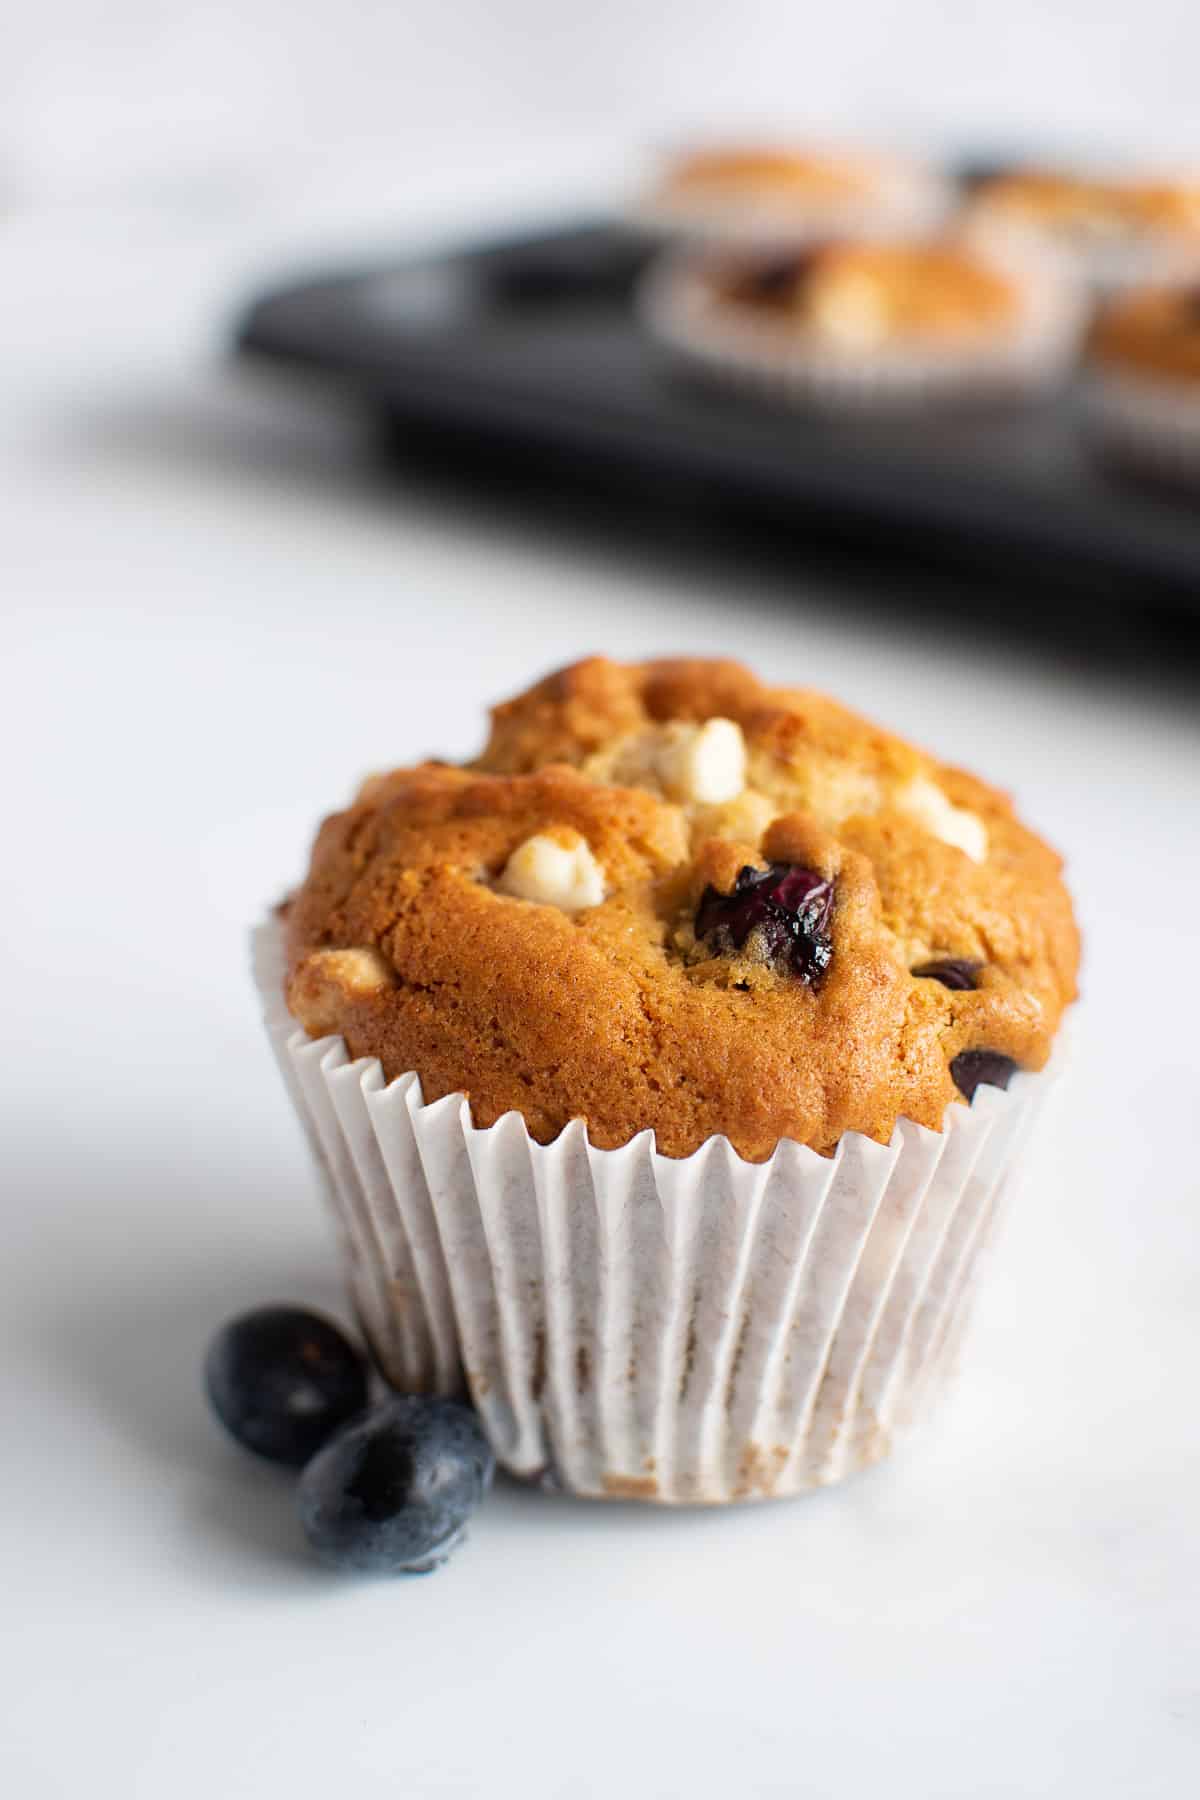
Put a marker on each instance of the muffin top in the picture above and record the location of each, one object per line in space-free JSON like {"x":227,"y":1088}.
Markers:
{"x":864,"y":295}
{"x":1151,"y":331}
{"x":803,"y":173}
{"x":779,"y":192}
{"x":1083,"y":208}
{"x":667,"y":896}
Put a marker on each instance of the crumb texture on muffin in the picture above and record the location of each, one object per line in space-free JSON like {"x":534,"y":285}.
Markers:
{"x":668,"y":896}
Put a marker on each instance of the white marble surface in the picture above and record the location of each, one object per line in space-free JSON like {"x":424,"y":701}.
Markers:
{"x":215,"y":616}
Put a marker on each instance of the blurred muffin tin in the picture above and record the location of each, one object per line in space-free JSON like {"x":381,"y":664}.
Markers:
{"x":534,"y":343}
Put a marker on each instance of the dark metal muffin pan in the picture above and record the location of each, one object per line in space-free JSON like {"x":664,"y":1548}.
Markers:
{"x":535,"y":343}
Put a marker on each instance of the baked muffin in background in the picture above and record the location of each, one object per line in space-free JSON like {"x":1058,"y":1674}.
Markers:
{"x":1108,"y":230}
{"x":1143,"y":368}
{"x":789,"y":193}
{"x":680,"y":1022}
{"x":866,"y":322}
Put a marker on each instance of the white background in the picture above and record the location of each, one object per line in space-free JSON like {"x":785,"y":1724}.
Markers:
{"x":217,"y":613}
{"x":98,"y":91}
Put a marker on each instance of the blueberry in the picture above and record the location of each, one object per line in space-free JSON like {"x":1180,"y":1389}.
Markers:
{"x":282,"y":1380}
{"x":787,"y":905}
{"x":951,"y":971}
{"x":981,"y":1068}
{"x":391,"y":1493}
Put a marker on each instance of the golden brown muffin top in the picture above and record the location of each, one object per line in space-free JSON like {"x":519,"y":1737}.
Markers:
{"x":868,"y":294}
{"x":1095,"y":208}
{"x":802,"y":173}
{"x":1152,"y":330}
{"x":668,"y":896}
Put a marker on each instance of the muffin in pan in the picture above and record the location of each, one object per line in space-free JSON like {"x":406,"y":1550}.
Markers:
{"x":866,"y":323}
{"x":789,"y":194}
{"x":1109,"y":231}
{"x":1143,"y":390}
{"x":667,"y":1065}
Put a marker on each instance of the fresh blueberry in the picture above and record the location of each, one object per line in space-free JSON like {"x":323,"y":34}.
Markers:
{"x":788,"y":905}
{"x":282,"y":1380}
{"x":391,"y":1493}
{"x":951,"y":971}
{"x":981,"y":1068}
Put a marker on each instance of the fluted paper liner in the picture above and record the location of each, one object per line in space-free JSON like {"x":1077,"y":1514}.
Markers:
{"x":698,"y":1329}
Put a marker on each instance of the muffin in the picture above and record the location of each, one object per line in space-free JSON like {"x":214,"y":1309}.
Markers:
{"x":1109,"y":231}
{"x":667,"y":1064}
{"x":858,"y":323}
{"x":1143,"y":364}
{"x":781,"y":193}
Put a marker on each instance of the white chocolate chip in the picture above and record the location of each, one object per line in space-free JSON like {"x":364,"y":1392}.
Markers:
{"x":327,"y":979}
{"x":694,"y":765}
{"x":356,"y":972}
{"x":705,"y":765}
{"x":553,"y":874}
{"x":924,"y":801}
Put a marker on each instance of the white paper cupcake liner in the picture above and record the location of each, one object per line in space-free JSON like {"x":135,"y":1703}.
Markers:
{"x":708,"y":336}
{"x":905,"y":198}
{"x":1149,"y":426}
{"x":693,"y":1330}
